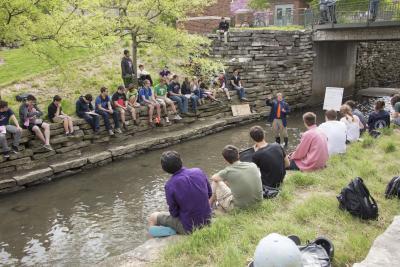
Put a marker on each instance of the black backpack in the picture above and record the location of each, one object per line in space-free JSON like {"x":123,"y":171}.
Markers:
{"x":393,"y":188}
{"x":355,"y":198}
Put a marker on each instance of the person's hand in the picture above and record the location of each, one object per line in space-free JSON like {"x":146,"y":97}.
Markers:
{"x":110,"y":111}
{"x":19,"y":128}
{"x":283,"y":110}
{"x":269,"y":97}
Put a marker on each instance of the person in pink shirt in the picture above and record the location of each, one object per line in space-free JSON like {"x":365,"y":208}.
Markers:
{"x":312,"y":152}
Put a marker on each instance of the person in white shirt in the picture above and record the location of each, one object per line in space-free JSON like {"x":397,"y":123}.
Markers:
{"x":352,"y":122}
{"x":143,"y":75}
{"x":336,"y":133}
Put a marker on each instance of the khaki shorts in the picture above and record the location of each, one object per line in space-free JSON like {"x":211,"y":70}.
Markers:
{"x":165,"y":101}
{"x":223,"y":194}
{"x":165,"y":219}
{"x":59,"y":119}
{"x":279,"y":129}
{"x":128,"y":108}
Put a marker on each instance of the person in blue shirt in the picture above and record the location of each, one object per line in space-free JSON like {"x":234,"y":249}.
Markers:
{"x":104,"y":109}
{"x":279,"y":110}
{"x":379,"y":118}
{"x":146,"y":97}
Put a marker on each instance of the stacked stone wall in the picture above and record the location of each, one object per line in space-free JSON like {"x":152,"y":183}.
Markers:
{"x":378,"y":64}
{"x":270,"y":61}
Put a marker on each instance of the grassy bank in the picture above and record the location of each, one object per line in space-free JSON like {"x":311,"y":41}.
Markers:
{"x":306,"y":207}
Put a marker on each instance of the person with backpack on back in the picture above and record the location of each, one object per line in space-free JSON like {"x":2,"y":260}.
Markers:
{"x":312,"y":152}
{"x":279,"y":110}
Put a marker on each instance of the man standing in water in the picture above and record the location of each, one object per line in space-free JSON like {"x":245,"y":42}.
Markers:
{"x":187,"y":193}
{"x":279,"y":109}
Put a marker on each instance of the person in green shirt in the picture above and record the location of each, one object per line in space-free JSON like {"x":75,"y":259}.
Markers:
{"x":161,"y":96}
{"x":238,"y":185}
{"x":131,"y":96}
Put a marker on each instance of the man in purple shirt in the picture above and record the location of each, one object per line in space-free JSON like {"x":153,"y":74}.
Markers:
{"x":187,"y":193}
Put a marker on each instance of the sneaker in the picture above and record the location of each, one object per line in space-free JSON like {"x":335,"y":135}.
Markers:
{"x":136,"y":122}
{"x":151,"y":124}
{"x":177,"y":117}
{"x":244,"y":99}
{"x":125,"y":126}
{"x":97,"y":131}
{"x":110,"y":132}
{"x":67,"y":134}
{"x":48,"y":147}
{"x":118,"y":130}
{"x":14,"y":149}
{"x":166,"y":119}
{"x":127,"y":123}
{"x":6,"y":155}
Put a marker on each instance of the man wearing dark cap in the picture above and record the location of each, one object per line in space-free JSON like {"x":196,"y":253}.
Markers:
{"x":187,"y":193}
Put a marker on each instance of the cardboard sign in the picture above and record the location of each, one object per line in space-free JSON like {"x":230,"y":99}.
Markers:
{"x":333,"y":98}
{"x":239,"y":110}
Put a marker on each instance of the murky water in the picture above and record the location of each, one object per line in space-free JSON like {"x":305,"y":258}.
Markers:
{"x":102,"y":212}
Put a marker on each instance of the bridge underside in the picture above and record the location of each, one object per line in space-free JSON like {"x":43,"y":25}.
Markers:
{"x":376,"y":31}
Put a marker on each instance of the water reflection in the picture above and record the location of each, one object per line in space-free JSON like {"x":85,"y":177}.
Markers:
{"x":86,"y":218}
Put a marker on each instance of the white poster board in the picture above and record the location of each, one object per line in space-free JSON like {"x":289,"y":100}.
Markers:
{"x":239,"y":110}
{"x":333,"y":98}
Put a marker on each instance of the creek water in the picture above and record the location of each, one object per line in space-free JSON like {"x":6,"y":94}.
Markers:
{"x":84,"y":219}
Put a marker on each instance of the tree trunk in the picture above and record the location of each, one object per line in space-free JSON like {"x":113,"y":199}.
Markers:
{"x":134,"y":56}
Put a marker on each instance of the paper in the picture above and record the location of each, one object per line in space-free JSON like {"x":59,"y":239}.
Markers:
{"x":3,"y":129}
{"x":92,"y":113}
{"x":239,"y":110}
{"x":333,"y":98}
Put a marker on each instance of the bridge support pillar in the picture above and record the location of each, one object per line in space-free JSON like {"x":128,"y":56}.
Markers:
{"x":334,"y":66}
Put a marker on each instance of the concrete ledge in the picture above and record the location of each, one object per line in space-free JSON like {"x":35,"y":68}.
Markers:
{"x":72,"y":164}
{"x":33,"y":176}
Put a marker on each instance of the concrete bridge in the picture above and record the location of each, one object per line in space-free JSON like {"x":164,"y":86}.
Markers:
{"x":336,"y":52}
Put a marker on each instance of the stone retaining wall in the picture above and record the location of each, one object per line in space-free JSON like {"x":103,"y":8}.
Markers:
{"x":271,"y":61}
{"x":378,"y":64}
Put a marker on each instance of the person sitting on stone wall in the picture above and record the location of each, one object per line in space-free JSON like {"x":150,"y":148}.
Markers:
{"x":220,"y":82}
{"x":358,"y":113}
{"x":335,"y":131}
{"x":312,"y":152}
{"x":223,"y":28}
{"x":271,"y":159}
{"x":85,"y":110}
{"x":29,"y":115}
{"x":352,"y":122}
{"x":142,"y":75}
{"x":132,"y":96}
{"x":104,"y":109}
{"x":160,"y":92}
{"x":204,"y":93}
{"x":175,"y":94}
{"x":187,"y":193}
{"x":56,"y":115}
{"x":190,"y":89}
{"x":236,"y":84}
{"x":379,"y":118}
{"x":238,"y":185}
{"x":279,"y":110}
{"x":146,"y":98}
{"x":120,"y":103}
{"x":5,"y":127}
{"x":395,"y":102}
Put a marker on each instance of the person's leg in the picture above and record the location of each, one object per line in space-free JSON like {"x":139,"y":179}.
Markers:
{"x":16,"y":133}
{"x":122,"y":115}
{"x":70,"y":125}
{"x":3,"y":143}
{"x":106,"y":119}
{"x":151,"y":110}
{"x":115,"y":117}
{"x":89,"y":119}
{"x":226,"y":37}
{"x":227,"y":93}
{"x":36,"y":130}
{"x":293,"y":166}
{"x":66,"y":125}
{"x":171,"y":104}
{"x":178,"y":101}
{"x":165,"y":219}
{"x":194,"y":100}
{"x":46,"y":128}
{"x":222,"y":194}
{"x":285,"y":135}
{"x":275,"y":128}
{"x":185,"y":103}
{"x":158,"y":109}
{"x":219,"y":35}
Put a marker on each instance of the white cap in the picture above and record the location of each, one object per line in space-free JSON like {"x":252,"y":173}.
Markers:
{"x":276,"y":250}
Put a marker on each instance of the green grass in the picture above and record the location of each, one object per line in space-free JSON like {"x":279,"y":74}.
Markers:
{"x":307,"y":207}
{"x":20,"y":64}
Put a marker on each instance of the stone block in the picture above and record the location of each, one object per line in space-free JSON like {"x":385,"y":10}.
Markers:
{"x":7,"y":183}
{"x":10,"y":190}
{"x":99,"y":157}
{"x":33,"y":176}
{"x":21,"y":161}
{"x":67,"y":165}
{"x":44,"y":155}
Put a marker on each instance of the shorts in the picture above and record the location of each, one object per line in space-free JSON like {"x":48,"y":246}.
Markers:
{"x":31,"y":125}
{"x":165,"y":101}
{"x":59,"y":119}
{"x":165,"y":219}
{"x":128,"y":108}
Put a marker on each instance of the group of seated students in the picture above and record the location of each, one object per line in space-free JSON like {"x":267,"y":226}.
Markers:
{"x":191,"y":197}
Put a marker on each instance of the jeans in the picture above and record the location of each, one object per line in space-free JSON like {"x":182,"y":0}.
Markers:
{"x":16,"y":137}
{"x":373,"y":9}
{"x":194,"y":99}
{"x":127,"y":81}
{"x":182,"y":102}
{"x":240,"y":91}
{"x":332,"y":13}
{"x":106,"y":118}
{"x":93,"y":120}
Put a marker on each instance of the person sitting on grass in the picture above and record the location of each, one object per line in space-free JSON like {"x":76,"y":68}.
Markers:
{"x":379,"y":118}
{"x":271,"y":159}
{"x":335,"y":131}
{"x":279,"y":109}
{"x":85,"y":110}
{"x":352,"y":122}
{"x":5,"y":127}
{"x":221,"y":85}
{"x":56,"y":115}
{"x":161,"y":90}
{"x":104,"y":109}
{"x":395,"y":102}
{"x":132,"y":96}
{"x":29,"y":115}
{"x":120,"y":102}
{"x":236,"y":84}
{"x":175,"y":94}
{"x":187,"y":193}
{"x":238,"y":185}
{"x":146,"y":98}
{"x":312,"y":152}
{"x":358,"y":113}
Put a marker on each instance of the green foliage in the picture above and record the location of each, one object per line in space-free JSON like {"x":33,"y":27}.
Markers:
{"x":258,"y":4}
{"x":302,"y":179}
{"x":367,"y":140}
{"x":389,"y":147}
{"x":203,"y":67}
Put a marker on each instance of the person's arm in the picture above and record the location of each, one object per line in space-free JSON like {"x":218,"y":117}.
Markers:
{"x":173,"y":207}
{"x":233,"y":83}
{"x":171,"y":91}
{"x":359,"y":122}
{"x":123,"y":68}
{"x":110,"y":109}
{"x":115,"y":101}
{"x":286,"y":108}
{"x":286,"y":160}
{"x":78,"y":108}
{"x":15,"y":121}
{"x":303,"y":148}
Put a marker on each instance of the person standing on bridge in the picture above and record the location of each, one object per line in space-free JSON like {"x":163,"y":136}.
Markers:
{"x":279,"y":110}
{"x":323,"y":9}
{"x":373,"y":9}
{"x":331,"y":4}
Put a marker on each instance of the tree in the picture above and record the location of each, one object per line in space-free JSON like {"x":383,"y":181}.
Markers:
{"x":258,"y":4}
